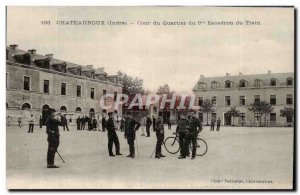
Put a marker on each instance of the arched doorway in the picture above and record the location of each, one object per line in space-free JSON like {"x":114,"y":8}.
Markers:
{"x":63,"y":109}
{"x":92,"y":112}
{"x":26,"y":106}
{"x":45,"y":113}
{"x":78,"y":110}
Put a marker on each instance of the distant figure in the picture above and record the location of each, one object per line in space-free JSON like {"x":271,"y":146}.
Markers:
{"x":20,"y":122}
{"x":94,"y":124}
{"x":64,"y":122}
{"x":90,"y":123}
{"x":243,"y":122}
{"x":251,"y":124}
{"x":218,"y":124}
{"x":99,"y":123}
{"x":40,"y":122}
{"x":212,"y":124}
{"x":154,"y":123}
{"x":122,"y":126}
{"x":143,"y":125}
{"x":267,"y":123}
{"x":103,"y":122}
{"x":256,"y":123}
{"x":160,"y":134}
{"x":70,"y":120}
{"x":82,"y":121}
{"x":31,"y":124}
{"x":78,"y":123}
{"x":148,"y":125}
{"x":86,"y":121}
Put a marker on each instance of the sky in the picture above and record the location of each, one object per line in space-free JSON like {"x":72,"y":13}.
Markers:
{"x":174,"y":54}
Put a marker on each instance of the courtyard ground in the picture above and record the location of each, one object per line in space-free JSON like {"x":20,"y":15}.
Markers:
{"x":237,"y":158}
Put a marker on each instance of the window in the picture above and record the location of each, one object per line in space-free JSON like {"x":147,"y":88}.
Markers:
{"x":214,"y":100}
{"x":243,"y":83}
{"x":257,"y":83}
{"x":92,"y":93}
{"x":201,"y":85}
{"x":63,"y":109}
{"x":257,"y":116}
{"x":289,"y":81}
{"x":215,"y":85}
{"x":242,"y":116}
{"x":78,"y":110}
{"x":289,"y":99}
{"x":273,"y":117}
{"x":200,"y":101}
{"x":7,"y":80}
{"x":228,"y":84}
{"x":46,"y":86}
{"x":26,"y":83}
{"x":256,"y":98}
{"x":273,"y":99}
{"x":78,"y":91}
{"x":227,"y":100}
{"x":242,"y":100}
{"x":63,"y":89}
{"x":273,"y":82}
{"x":115,"y":96}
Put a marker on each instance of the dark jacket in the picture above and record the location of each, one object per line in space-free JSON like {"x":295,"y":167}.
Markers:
{"x":160,"y":125}
{"x":131,"y":126}
{"x":110,"y":126}
{"x":195,"y":125}
{"x":52,"y":126}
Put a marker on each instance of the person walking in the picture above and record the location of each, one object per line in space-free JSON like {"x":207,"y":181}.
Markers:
{"x":112,"y":136}
{"x":53,"y":137}
{"x":31,"y":124}
{"x":131,"y":126}
{"x":148,"y":125}
{"x":160,"y":137}
{"x":218,"y":124}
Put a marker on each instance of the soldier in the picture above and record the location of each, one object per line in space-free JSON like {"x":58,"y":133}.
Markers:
{"x":181,"y":130}
{"x":82,"y":121}
{"x":159,"y":128}
{"x":195,"y":128}
{"x":31,"y":124}
{"x":131,"y":126}
{"x":148,"y":125}
{"x":112,"y":136}
{"x":78,"y":123}
{"x":53,"y":138}
{"x":218,"y":124}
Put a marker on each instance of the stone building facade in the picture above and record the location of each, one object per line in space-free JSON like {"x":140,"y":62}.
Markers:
{"x":36,"y":82}
{"x":240,"y":91}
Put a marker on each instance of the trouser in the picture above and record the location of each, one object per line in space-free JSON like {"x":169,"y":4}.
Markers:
{"x":66,"y":126}
{"x":218,"y":127}
{"x":191,"y":138}
{"x":182,"y":144}
{"x":212,"y":127}
{"x":53,"y":143}
{"x":113,"y":139}
{"x":160,"y":139}
{"x":148,"y":130}
{"x":154,"y":126}
{"x":78,"y":126}
{"x":103,"y":127}
{"x":130,"y":141}
{"x":30,"y":128}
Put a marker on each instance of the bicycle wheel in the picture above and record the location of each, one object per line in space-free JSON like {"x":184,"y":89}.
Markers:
{"x":172,"y":145}
{"x":201,"y":147}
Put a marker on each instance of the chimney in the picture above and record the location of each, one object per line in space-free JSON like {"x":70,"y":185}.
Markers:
{"x":227,"y":74}
{"x":202,"y":76}
{"x":14,"y":46}
{"x":49,"y":55}
{"x":90,"y":66}
{"x":269,"y":72}
{"x":240,"y":74}
{"x":32,"y":51}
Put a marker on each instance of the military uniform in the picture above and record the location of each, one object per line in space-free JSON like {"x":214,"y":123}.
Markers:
{"x":131,"y":126}
{"x":112,"y":137}
{"x":194,"y":128}
{"x":182,"y":130}
{"x":53,"y":139}
{"x":160,"y":137}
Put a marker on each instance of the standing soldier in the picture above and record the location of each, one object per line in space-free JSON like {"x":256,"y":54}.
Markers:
{"x":82,"y":121}
{"x":181,"y":130}
{"x":78,"y":123}
{"x":212,"y":124}
{"x":53,"y":138}
{"x":148,"y":125}
{"x":94,"y":123}
{"x":64,"y":122}
{"x":160,"y":136}
{"x":31,"y":124}
{"x":218,"y":124}
{"x":112,"y":136}
{"x":131,"y":126}
{"x":195,"y":128}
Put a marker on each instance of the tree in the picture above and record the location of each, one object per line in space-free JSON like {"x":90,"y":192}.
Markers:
{"x":263,"y":108}
{"x":287,"y":112}
{"x":131,"y":85}
{"x":165,"y":89}
{"x":207,"y":108}
{"x":233,"y":112}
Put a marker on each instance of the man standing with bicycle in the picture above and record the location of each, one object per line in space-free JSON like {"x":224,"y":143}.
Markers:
{"x":194,"y":129}
{"x":160,"y":137}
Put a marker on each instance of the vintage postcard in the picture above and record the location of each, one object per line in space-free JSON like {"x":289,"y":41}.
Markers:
{"x":150,"y":97}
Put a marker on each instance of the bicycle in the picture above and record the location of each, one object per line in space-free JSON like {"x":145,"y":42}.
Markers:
{"x":172,"y":145}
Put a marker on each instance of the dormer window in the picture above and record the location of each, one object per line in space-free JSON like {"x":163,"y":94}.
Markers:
{"x":215,"y":85}
{"x":289,"y":81}
{"x":273,"y":82}
{"x":243,"y":83}
{"x":201,"y":85}
{"x":257,"y":83}
{"x":228,"y":84}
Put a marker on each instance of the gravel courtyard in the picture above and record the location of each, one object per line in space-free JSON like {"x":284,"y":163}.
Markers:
{"x":236,"y":158}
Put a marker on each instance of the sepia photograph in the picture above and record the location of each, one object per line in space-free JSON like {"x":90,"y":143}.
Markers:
{"x":150,"y":98}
